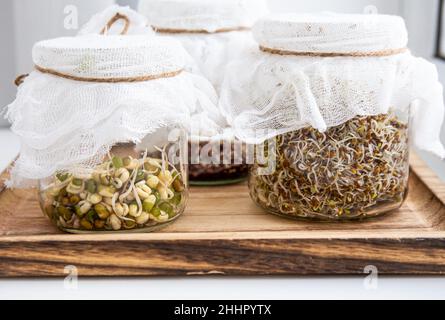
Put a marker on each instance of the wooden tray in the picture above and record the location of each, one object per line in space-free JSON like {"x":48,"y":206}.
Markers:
{"x":224,"y":233}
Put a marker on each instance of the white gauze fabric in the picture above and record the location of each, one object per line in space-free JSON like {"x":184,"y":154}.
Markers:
{"x":209,"y":117}
{"x":209,"y":54}
{"x":202,"y":15}
{"x":331,"y":33}
{"x":268,"y":94}
{"x":71,"y":125}
{"x":138,"y":24}
{"x":209,"y":50}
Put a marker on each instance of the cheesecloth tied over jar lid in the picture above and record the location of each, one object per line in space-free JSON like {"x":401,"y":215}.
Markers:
{"x":91,"y":92}
{"x":322,"y":70}
{"x":202,"y":15}
{"x":332,"y":34}
{"x":110,"y":58}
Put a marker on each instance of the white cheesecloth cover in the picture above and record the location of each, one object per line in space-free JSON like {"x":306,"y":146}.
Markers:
{"x":206,"y":120}
{"x":202,"y":15}
{"x":323,"y":70}
{"x":212,"y":32}
{"x":70,"y":125}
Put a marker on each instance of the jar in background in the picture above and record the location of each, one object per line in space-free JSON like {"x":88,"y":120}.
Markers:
{"x":217,"y":162}
{"x":213,"y":34}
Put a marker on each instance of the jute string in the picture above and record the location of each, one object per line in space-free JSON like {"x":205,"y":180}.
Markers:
{"x":110,"y":80}
{"x":20,"y":79}
{"x":383,"y":53}
{"x":113,"y":20}
{"x":172,"y":74}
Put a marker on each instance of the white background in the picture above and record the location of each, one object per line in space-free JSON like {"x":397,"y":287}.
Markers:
{"x":23,"y":22}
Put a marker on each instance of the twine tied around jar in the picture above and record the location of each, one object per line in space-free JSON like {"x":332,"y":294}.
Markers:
{"x":110,"y":80}
{"x":198,"y":31}
{"x":20,"y":79}
{"x":113,"y":20}
{"x":382,"y":53}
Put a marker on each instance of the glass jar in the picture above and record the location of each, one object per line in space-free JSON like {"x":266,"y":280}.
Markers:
{"x":335,"y":116}
{"x":136,"y":188}
{"x":103,"y":128}
{"x":217,"y":162}
{"x":353,"y":171}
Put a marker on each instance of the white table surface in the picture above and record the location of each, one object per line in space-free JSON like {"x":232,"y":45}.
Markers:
{"x":214,"y":288}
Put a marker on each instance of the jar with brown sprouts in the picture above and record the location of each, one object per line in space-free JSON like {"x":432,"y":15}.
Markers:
{"x":355,"y":170}
{"x":328,"y":100}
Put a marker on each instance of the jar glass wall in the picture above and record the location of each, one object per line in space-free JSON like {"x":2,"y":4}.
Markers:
{"x":353,"y":171}
{"x":137,"y":188}
{"x":217,"y":162}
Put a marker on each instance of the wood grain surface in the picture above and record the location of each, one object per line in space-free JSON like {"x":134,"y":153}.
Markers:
{"x":224,"y":233}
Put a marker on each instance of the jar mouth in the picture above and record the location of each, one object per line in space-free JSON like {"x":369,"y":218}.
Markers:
{"x":382,"y":53}
{"x":199,"y":31}
{"x":129,"y":79}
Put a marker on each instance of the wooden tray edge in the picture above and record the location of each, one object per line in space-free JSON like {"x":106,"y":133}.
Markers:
{"x":428,"y":176}
{"x":224,"y":257}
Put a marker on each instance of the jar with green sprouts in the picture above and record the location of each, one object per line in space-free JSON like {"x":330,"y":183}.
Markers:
{"x":130,"y":190}
{"x":103,"y":123}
